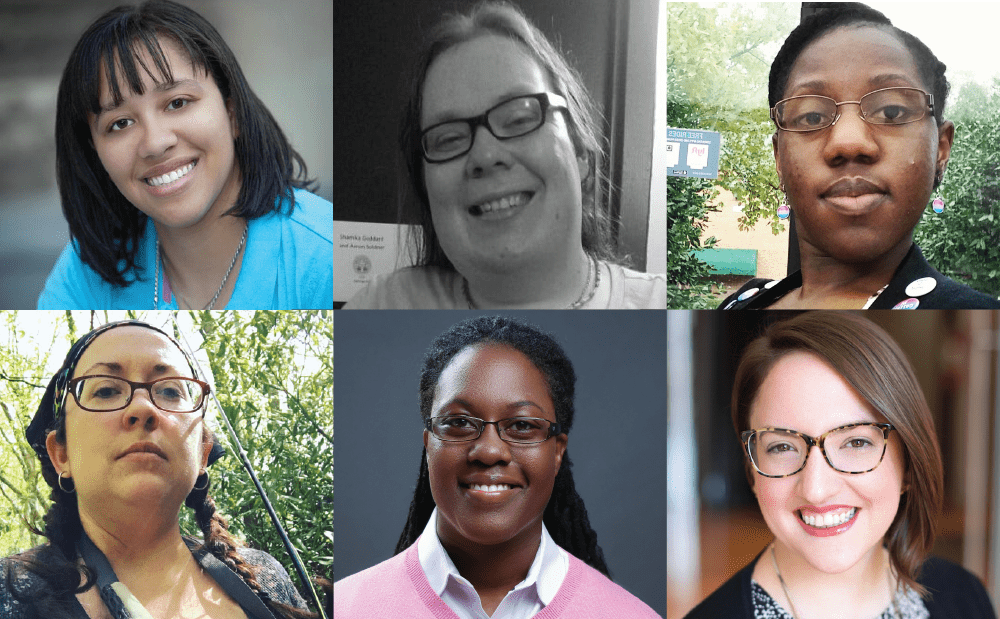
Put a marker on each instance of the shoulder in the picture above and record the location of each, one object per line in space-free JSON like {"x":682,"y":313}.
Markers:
{"x":732,"y":600}
{"x":19,"y":585}
{"x":638,"y":290}
{"x":955,"y":592}
{"x":396,"y":587}
{"x":751,"y":295}
{"x":272,"y":577}
{"x":72,"y":284}
{"x":411,"y":288}
{"x":589,"y":594}
{"x":313,"y":215}
{"x":920,"y":286}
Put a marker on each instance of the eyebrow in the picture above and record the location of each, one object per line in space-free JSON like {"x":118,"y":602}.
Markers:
{"x":161,"y":87}
{"x":512,"y":406}
{"x":449,"y":115}
{"x":117,"y":369}
{"x":873,"y":82}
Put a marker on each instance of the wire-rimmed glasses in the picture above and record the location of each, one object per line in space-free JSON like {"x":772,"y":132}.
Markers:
{"x":509,"y":119}
{"x":853,"y":448}
{"x":899,"y":105}
{"x":172,"y":394}
{"x":517,"y":430}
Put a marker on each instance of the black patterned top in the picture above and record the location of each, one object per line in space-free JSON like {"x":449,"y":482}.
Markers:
{"x":909,"y":604}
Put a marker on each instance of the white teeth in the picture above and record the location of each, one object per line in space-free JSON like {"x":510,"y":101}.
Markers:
{"x":517,"y":199}
{"x":493,"y":488}
{"x":828,"y":520}
{"x":171,"y":176}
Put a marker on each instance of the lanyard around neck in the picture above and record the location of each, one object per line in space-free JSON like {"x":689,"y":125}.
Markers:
{"x":123,"y":605}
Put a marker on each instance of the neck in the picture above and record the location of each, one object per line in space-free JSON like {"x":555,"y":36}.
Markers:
{"x":815,"y":594}
{"x":196,"y":259}
{"x":830,"y":283}
{"x":554,"y":285}
{"x":145,"y":552}
{"x":495,"y":569}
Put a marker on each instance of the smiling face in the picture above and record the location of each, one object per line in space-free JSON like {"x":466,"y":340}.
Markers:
{"x":803,"y":393}
{"x":889,"y":170}
{"x":491,"y":382}
{"x":170,"y":151}
{"x":540,"y":170}
{"x":96,"y":442}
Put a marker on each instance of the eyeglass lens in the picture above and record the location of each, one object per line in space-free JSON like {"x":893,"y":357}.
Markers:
{"x":850,"y":450}
{"x":515,"y":430}
{"x":508,"y":120}
{"x":892,"y":106}
{"x":105,"y":393}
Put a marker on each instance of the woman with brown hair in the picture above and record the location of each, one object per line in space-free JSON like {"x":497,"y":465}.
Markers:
{"x":842,"y":456}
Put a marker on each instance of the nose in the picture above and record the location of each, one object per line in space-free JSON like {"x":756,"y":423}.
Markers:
{"x":141,"y":411}
{"x":157,"y":138}
{"x":818,"y":480}
{"x":487,"y":153}
{"x":850,"y":138}
{"x":489,"y":448}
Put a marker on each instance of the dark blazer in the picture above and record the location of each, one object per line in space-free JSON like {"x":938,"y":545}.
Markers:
{"x":945,"y":294}
{"x":956,"y":594}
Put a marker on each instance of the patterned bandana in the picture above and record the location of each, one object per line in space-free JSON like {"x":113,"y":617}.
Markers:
{"x":54,"y":401}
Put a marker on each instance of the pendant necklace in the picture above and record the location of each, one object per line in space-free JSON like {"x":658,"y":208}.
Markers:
{"x":586,"y":294}
{"x":784,"y":587}
{"x":211,"y":304}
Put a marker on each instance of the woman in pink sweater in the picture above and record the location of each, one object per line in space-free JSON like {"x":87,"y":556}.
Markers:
{"x":496,"y":527}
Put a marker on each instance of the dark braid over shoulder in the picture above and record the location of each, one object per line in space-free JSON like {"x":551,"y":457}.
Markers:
{"x":565,"y":516}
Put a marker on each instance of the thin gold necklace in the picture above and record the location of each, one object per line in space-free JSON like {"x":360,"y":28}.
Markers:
{"x":788,"y":596}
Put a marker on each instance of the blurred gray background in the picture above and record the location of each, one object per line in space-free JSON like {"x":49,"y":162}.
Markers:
{"x":284,"y":48}
{"x":616,"y":444}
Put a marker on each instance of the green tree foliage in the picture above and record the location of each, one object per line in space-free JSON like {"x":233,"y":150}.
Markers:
{"x":273,"y":373}
{"x":963,"y":242}
{"x":718,"y":61}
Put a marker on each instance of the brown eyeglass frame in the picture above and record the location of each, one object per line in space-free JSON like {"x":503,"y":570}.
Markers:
{"x":928,"y":99}
{"x":71,"y":389}
{"x":819,"y":441}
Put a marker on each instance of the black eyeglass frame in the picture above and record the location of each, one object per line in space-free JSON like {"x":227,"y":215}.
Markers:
{"x":929,"y":111}
{"x":819,"y":441}
{"x":546,"y":100}
{"x":71,"y":388}
{"x":555,"y":428}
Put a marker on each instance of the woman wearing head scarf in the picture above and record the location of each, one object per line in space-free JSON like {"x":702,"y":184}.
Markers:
{"x":123,"y":443}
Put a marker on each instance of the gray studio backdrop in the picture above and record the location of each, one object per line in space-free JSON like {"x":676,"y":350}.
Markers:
{"x":618,"y":441}
{"x":285,"y":51}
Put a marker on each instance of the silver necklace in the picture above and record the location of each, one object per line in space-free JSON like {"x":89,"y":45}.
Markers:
{"x":784,"y":587}
{"x":586,"y":294}
{"x":211,"y":304}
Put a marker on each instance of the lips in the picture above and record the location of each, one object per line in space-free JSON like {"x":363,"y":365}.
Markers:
{"x":855,"y":195}
{"x":143,"y":447}
{"x":166,"y":172}
{"x":827,"y":521}
{"x":500,"y":204}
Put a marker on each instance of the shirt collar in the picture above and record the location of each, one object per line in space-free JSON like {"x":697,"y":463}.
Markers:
{"x":546,"y":573}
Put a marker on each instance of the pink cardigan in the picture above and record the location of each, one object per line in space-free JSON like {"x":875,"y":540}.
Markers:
{"x":398,"y":588}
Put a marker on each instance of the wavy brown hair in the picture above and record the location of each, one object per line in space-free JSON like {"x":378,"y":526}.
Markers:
{"x":873,"y":364}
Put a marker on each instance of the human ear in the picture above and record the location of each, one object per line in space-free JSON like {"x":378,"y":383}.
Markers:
{"x":583,"y":162}
{"x":232,"y":119}
{"x":57,"y":453}
{"x":777,"y":157}
{"x":946,"y":137}
{"x":561,"y":441}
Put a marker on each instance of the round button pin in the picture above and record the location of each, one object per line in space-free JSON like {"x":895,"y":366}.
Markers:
{"x":920,"y":287}
{"x":907,"y":304}
{"x":747,"y":294}
{"x":783,"y":211}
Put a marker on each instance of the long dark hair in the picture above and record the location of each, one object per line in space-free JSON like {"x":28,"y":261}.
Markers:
{"x":103,"y":224}
{"x":583,"y":120}
{"x":565,"y":515}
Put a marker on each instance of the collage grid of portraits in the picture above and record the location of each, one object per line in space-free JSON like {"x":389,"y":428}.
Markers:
{"x":508,"y":459}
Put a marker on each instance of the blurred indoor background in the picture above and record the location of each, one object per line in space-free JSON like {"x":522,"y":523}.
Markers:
{"x":284,"y":48}
{"x":714,"y":526}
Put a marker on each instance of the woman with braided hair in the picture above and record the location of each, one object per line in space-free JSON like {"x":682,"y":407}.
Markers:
{"x":122,"y":440}
{"x":496,"y":527}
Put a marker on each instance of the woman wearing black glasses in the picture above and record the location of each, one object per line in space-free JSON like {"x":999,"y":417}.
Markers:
{"x":503,"y":147}
{"x":861,"y":144}
{"x":496,"y":527}
{"x":841,"y":452}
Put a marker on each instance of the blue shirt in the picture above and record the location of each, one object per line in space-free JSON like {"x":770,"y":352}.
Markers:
{"x":287,"y":264}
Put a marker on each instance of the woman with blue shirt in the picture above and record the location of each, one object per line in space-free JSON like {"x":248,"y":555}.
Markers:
{"x":178,"y":185}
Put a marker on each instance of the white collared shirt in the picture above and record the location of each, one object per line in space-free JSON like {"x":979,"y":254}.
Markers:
{"x":527,"y":599}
